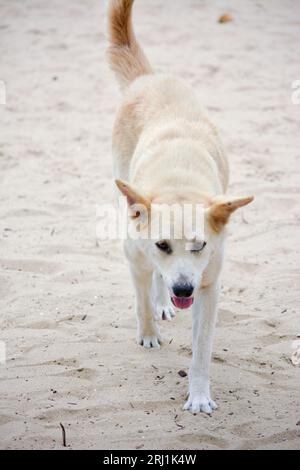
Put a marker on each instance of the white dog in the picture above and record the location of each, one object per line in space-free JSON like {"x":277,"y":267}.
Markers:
{"x":167,"y":152}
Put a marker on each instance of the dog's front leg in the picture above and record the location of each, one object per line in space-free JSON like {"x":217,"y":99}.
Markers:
{"x":163,"y":308}
{"x":204,"y":319}
{"x":147,"y":328}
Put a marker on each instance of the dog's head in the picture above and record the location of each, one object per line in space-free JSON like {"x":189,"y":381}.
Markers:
{"x":182,"y":241}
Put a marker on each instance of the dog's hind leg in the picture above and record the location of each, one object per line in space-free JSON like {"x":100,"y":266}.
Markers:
{"x":162,"y":306}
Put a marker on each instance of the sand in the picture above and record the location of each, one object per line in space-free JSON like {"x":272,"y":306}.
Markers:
{"x":67,"y":316}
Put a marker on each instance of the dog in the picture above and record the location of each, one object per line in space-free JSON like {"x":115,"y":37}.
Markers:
{"x":165,"y":152}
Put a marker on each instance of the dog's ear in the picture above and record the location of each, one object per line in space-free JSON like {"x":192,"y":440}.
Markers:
{"x":136,"y":202}
{"x":222,"y":207}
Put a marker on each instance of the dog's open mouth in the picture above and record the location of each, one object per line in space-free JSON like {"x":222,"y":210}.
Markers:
{"x":182,"y":302}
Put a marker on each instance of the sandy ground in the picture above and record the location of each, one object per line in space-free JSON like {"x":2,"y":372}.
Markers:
{"x":67,"y":305}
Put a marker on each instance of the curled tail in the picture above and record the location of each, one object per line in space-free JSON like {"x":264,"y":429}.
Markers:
{"x":125,"y":55}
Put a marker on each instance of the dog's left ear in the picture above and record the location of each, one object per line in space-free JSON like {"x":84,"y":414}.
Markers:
{"x":222,"y":207}
{"x":137,"y":203}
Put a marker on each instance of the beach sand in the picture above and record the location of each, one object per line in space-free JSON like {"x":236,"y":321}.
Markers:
{"x":67,"y":315}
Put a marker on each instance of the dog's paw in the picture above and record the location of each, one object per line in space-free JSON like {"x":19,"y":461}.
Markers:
{"x":164,"y":312}
{"x":150,"y":341}
{"x":200,"y":403}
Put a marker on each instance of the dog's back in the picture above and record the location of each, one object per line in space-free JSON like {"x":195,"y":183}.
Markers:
{"x":158,"y":108}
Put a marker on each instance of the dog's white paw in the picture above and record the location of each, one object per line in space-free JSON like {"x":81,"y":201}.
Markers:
{"x":149,"y":341}
{"x":164,"y":312}
{"x":200,"y":402}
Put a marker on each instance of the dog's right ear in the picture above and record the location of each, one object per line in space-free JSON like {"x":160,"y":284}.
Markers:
{"x":136,"y":202}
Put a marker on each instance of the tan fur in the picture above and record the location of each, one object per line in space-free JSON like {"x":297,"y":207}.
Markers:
{"x":221,"y":209}
{"x":132,"y":196}
{"x":126,"y":57}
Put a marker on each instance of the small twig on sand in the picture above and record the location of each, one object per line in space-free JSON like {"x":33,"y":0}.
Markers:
{"x":63,"y":434}
{"x":177,"y":424}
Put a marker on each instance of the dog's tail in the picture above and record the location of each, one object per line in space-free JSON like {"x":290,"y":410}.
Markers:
{"x":125,"y":55}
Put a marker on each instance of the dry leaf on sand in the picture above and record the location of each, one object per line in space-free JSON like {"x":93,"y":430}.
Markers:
{"x":226,"y":18}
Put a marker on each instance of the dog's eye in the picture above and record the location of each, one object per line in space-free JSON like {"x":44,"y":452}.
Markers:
{"x":164,"y":246}
{"x":199,"y":247}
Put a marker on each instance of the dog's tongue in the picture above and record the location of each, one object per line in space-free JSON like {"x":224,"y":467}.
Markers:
{"x":182,"y":302}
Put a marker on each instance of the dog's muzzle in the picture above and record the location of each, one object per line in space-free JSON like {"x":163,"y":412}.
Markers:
{"x":182,"y":295}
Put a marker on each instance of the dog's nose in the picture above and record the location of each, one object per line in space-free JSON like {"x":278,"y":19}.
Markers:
{"x":183,"y":290}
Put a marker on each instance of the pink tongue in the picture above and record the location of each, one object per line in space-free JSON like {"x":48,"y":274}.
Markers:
{"x":182,"y":302}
